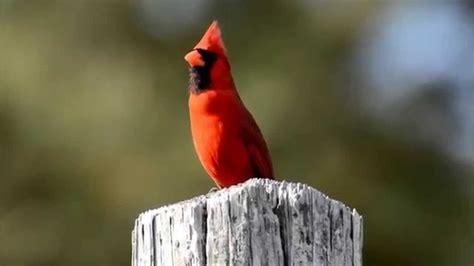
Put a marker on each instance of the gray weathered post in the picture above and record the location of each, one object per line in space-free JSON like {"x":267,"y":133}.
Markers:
{"x":260,"y":222}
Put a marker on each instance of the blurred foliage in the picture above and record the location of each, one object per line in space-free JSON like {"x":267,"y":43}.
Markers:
{"x":94,"y":130}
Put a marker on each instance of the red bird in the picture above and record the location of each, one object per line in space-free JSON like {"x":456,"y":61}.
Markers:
{"x":226,"y":137}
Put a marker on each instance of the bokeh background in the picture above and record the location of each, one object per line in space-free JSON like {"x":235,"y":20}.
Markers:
{"x":371,"y":102}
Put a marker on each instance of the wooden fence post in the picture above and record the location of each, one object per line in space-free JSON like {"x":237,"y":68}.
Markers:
{"x":259,"y":222}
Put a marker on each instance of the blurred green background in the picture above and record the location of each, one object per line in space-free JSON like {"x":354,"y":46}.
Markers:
{"x":371,"y":103}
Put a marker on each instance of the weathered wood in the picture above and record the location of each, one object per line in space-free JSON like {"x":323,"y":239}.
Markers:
{"x":260,"y":222}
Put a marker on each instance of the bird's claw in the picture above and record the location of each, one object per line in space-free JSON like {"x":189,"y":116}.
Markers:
{"x":213,"y":189}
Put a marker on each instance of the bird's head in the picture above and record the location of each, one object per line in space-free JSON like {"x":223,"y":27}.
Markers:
{"x":209,"y":67}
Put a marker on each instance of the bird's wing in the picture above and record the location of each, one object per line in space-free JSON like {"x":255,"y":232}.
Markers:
{"x":256,"y":147}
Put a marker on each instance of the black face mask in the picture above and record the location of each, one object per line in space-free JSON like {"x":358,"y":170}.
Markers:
{"x":200,"y":76}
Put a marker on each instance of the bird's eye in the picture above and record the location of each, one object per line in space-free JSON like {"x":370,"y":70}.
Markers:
{"x":207,"y":56}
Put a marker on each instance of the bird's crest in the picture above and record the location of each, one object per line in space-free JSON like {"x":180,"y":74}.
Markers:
{"x":212,"y":40}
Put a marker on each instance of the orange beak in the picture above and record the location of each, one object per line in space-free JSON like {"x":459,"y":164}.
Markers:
{"x":194,"y":59}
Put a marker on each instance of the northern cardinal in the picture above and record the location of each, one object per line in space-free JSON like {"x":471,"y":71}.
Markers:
{"x":226,"y":137}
